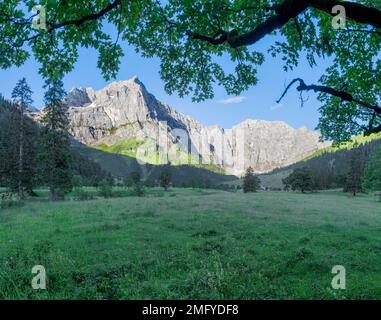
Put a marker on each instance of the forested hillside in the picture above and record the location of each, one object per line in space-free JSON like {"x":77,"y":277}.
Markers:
{"x":330,"y":166}
{"x":82,"y":166}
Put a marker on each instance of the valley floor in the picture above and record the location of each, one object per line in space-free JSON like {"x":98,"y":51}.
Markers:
{"x":194,"y":244}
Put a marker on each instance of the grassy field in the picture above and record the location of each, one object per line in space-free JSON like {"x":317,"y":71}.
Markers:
{"x":196,"y":244}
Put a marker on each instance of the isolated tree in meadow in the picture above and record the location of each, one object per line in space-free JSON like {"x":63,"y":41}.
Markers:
{"x":165,"y":179}
{"x":22,"y":97}
{"x":353,"y":180}
{"x":300,"y":179}
{"x":55,"y":153}
{"x":372,"y":176}
{"x":105,"y":188}
{"x":189,"y":37}
{"x":251,"y":182}
{"x":137,"y":183}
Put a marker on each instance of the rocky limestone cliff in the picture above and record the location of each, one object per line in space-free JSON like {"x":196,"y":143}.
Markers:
{"x":126,"y":110}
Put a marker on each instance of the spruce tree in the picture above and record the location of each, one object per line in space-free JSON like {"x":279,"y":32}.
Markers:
{"x":55,"y":155}
{"x":353,"y":182}
{"x":372,"y":176}
{"x":251,"y":182}
{"x":22,"y":96}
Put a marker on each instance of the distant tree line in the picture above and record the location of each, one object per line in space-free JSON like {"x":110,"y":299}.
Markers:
{"x":359,"y":170}
{"x":330,"y":170}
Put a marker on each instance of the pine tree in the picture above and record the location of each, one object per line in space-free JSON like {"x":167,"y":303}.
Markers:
{"x":251,"y":182}
{"x":22,"y":96}
{"x":353,"y":182}
{"x":372,"y":176}
{"x":55,"y":156}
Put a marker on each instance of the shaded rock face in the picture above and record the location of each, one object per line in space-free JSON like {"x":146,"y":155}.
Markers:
{"x":126,"y":110}
{"x":80,"y":97}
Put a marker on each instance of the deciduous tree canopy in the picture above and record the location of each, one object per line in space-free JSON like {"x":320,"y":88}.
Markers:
{"x":190,"y":37}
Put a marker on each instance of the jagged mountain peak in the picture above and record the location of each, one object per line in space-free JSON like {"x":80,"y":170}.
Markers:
{"x":125,"y":110}
{"x":134,"y":83}
{"x":80,"y":97}
{"x":83,"y":97}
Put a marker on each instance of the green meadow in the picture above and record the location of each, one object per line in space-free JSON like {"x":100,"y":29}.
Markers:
{"x":193,"y":244}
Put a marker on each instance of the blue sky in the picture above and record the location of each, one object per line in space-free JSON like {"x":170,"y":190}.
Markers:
{"x":257,"y":103}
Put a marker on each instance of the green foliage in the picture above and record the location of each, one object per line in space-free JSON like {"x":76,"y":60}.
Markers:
{"x":137,"y":184}
{"x":77,"y":181}
{"x":191,"y":40}
{"x":329,"y":169}
{"x":126,"y":147}
{"x":80,"y":194}
{"x":10,"y":121}
{"x":300,"y":179}
{"x":354,"y":142}
{"x":165,"y":179}
{"x":135,"y":177}
{"x":9,"y":200}
{"x":22,"y":97}
{"x":105,"y":189}
{"x":251,"y":182}
{"x":355,"y":172}
{"x":372,"y":176}
{"x":138,"y":189}
{"x":55,"y":152}
{"x":22,"y":94}
{"x":88,"y":172}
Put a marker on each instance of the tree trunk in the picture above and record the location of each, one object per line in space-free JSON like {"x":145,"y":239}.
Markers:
{"x":21,"y":154}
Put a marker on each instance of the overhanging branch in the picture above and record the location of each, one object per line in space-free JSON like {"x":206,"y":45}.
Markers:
{"x":76,"y":22}
{"x":343,"y":95}
{"x":90,"y":17}
{"x":290,"y":9}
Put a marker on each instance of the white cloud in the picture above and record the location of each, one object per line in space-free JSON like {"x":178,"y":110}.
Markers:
{"x":234,"y":100}
{"x":276,"y":106}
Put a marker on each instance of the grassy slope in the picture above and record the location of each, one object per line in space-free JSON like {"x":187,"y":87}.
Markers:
{"x":194,"y":244}
{"x":129,"y":147}
{"x":123,"y":165}
{"x":358,"y":140}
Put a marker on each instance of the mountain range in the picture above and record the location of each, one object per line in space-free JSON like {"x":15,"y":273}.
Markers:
{"x":124,"y":118}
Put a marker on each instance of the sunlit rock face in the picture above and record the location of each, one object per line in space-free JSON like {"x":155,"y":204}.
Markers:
{"x":126,"y":110}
